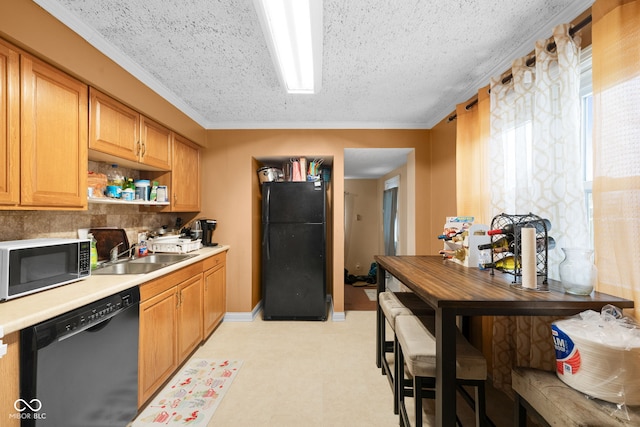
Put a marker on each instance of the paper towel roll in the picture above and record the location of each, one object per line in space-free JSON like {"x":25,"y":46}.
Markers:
{"x":529,"y":277}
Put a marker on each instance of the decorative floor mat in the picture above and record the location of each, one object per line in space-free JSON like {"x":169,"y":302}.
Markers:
{"x":192,"y":396}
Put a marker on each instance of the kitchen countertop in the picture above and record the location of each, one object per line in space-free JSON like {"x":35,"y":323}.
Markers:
{"x":25,"y":311}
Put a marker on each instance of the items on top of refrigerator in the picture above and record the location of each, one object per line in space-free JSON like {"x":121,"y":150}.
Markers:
{"x":295,"y":169}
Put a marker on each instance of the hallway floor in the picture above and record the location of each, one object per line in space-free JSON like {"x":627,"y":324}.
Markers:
{"x":312,"y":374}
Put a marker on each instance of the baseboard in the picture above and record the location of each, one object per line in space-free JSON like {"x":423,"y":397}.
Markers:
{"x":243,"y":316}
{"x":336,"y":316}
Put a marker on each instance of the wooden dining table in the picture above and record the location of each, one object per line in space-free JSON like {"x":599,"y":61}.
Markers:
{"x":454,"y":290}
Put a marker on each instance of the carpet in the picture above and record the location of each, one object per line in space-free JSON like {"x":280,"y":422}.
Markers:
{"x":192,"y":396}
{"x":372,"y":294}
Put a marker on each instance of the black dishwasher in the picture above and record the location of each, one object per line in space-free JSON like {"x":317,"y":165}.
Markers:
{"x":80,"y":369}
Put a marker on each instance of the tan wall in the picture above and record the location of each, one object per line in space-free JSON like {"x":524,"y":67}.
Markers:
{"x":366,"y":225}
{"x":443,"y":186}
{"x":231,"y":193}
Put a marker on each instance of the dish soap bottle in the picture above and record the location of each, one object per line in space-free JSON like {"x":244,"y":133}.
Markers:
{"x":94,"y":251}
{"x":142,"y":249}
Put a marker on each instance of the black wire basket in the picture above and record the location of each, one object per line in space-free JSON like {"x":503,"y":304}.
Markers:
{"x":511,"y":226}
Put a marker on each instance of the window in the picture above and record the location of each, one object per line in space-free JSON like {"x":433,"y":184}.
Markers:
{"x":586,"y":134}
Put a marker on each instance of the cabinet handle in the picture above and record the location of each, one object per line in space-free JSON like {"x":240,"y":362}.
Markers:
{"x":137,"y":148}
{"x":144,"y":149}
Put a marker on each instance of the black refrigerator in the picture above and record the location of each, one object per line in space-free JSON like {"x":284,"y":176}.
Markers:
{"x":294,"y":251}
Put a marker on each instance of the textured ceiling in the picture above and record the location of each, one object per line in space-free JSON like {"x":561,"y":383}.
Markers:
{"x":386,"y":64}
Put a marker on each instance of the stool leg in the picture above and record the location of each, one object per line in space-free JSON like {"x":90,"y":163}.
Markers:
{"x":380,"y":337}
{"x":398,"y":375}
{"x":481,"y":406}
{"x":417,"y":399}
{"x":519,"y":412}
{"x":398,"y":390}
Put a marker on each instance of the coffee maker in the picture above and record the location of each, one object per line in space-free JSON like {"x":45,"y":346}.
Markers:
{"x":208,"y":226}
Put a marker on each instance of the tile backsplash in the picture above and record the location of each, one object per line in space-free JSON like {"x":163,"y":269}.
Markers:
{"x":15,"y":225}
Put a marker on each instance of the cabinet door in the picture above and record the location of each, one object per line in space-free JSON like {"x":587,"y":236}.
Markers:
{"x":10,"y":374}
{"x":9,"y":125}
{"x":155,"y":148}
{"x":189,"y":316}
{"x":185,"y":176}
{"x":53,"y":139}
{"x":158,"y":356}
{"x":214,"y":297}
{"x":114,"y":128}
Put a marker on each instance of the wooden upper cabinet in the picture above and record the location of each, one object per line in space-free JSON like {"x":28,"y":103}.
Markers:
{"x":124,"y":134}
{"x":156,"y":142}
{"x":9,"y":125}
{"x":185,"y":176}
{"x":114,"y":128}
{"x":54,"y":129}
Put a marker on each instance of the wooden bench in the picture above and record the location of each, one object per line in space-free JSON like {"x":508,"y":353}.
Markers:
{"x":558,"y":404}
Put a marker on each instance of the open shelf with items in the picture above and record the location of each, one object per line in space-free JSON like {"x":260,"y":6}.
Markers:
{"x":110,"y":201}
{"x":507,"y":244}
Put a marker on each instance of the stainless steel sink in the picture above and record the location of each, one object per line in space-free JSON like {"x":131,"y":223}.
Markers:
{"x":142,"y":265}
{"x":161,"y":259}
{"x":128,"y":268}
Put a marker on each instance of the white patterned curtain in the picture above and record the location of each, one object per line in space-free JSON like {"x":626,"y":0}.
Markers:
{"x":536,"y":167}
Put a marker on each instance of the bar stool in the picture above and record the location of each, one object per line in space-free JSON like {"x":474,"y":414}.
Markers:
{"x":416,"y":351}
{"x":391,"y":305}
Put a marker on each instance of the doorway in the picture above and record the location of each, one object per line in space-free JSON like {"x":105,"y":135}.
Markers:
{"x":366,"y":174}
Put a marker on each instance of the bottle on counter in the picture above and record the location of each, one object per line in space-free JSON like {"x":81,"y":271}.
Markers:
{"x":502,"y":243}
{"x":507,"y":263}
{"x":449,"y":234}
{"x":94,"y":251}
{"x":459,"y":254}
{"x":507,"y":244}
{"x":515,"y":228}
{"x":142,"y":248}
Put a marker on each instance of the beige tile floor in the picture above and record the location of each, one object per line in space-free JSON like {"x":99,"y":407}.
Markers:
{"x":310,"y":374}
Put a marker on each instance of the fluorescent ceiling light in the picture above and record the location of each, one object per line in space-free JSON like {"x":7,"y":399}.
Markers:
{"x":293,"y":30}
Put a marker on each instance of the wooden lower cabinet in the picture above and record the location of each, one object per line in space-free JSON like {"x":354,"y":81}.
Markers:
{"x":165,"y":303}
{"x":214,"y":292}
{"x":177,"y":312}
{"x":157,"y":354}
{"x":189,"y":316}
{"x":10,"y":374}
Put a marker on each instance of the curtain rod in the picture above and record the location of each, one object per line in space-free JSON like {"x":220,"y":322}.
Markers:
{"x":551,"y":46}
{"x":531,"y":61}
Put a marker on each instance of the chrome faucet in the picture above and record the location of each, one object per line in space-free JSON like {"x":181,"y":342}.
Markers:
{"x":114,"y":255}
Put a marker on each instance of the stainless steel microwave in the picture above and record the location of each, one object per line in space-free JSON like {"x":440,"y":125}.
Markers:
{"x":28,"y":266}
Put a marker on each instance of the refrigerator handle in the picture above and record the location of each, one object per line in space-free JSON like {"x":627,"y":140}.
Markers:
{"x":265,"y":240}
{"x":265,"y":205}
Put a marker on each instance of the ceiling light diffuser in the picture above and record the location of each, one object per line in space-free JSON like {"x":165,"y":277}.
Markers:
{"x":293,"y":30}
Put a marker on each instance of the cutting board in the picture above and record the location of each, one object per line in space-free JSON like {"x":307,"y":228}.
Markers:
{"x":107,"y":238}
